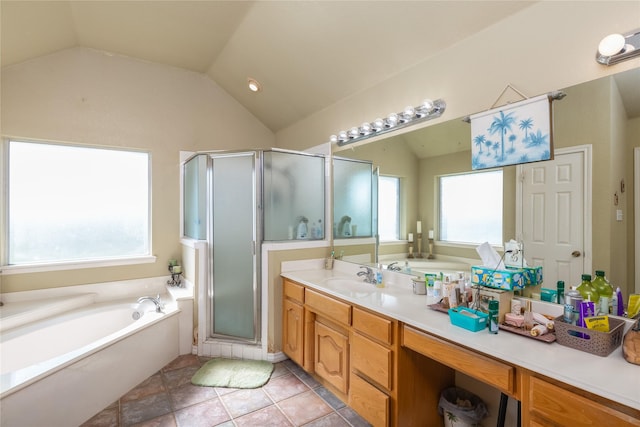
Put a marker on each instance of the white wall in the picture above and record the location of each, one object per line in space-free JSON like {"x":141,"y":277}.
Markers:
{"x":89,"y":97}
{"x":547,"y":46}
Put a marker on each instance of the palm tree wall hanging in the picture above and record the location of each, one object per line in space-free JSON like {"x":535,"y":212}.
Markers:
{"x":520,"y":132}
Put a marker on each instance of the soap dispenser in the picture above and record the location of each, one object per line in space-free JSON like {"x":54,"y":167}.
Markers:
{"x":303,"y":231}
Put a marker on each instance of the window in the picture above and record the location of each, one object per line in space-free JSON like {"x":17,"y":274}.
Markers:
{"x":389,"y":208}
{"x":68,"y":203}
{"x":471,"y":208}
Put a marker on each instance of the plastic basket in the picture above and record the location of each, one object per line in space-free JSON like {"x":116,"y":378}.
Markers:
{"x":476,"y":323}
{"x":589,"y":340}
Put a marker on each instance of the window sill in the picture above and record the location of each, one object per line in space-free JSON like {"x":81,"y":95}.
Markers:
{"x":74,"y":265}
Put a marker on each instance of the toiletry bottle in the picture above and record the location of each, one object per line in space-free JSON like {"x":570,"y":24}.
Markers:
{"x":619,"y":307}
{"x":407,"y":267}
{"x":379,"y":282}
{"x":528,"y":316}
{"x":430,"y":281}
{"x":493,"y":316}
{"x":605,"y":291}
{"x":560,"y":292}
{"x":586,"y":290}
{"x":319,"y":230}
{"x":571,"y":299}
{"x":437,"y":288}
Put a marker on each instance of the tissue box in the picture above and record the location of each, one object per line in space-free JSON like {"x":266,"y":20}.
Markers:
{"x":509,"y":279}
{"x":472,"y":320}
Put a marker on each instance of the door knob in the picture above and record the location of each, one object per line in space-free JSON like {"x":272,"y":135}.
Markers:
{"x":576,"y":254}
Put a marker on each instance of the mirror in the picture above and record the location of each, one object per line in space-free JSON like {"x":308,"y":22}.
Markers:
{"x":610,"y":103}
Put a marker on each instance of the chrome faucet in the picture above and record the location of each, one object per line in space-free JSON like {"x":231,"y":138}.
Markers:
{"x":157,"y":301}
{"x":368,"y":273}
{"x":394,"y":267}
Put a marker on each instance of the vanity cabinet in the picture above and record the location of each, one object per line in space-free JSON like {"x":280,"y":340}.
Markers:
{"x":488,"y":370}
{"x":357,"y":354}
{"x":327,"y":324}
{"x":549,"y":403}
{"x":372,"y":366}
{"x":331,"y":356}
{"x":293,"y":321}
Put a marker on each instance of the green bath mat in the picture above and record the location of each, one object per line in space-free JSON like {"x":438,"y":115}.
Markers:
{"x":233,"y":373}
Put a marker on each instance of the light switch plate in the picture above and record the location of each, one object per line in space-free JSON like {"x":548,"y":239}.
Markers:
{"x":618,"y":214}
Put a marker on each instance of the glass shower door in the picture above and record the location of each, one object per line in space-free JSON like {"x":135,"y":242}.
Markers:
{"x":234,"y":296}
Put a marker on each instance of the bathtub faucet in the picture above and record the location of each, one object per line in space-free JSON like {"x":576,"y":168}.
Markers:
{"x":157,"y":301}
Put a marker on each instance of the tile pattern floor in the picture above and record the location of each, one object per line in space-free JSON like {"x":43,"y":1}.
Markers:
{"x":291,"y":397}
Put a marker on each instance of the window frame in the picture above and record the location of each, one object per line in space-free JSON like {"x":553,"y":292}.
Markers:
{"x":438,"y":212}
{"x":9,"y":269}
{"x":398,"y":205}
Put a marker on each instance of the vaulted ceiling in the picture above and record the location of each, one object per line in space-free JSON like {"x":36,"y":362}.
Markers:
{"x":307,"y":55}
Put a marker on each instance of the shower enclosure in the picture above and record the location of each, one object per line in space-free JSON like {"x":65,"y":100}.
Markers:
{"x":235,"y":201}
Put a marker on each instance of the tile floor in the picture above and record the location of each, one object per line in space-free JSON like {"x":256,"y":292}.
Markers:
{"x":290,"y":398}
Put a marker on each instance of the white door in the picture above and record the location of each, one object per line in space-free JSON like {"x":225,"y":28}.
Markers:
{"x":554,"y":215}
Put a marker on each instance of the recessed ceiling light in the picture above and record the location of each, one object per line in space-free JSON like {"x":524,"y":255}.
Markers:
{"x":254,"y":85}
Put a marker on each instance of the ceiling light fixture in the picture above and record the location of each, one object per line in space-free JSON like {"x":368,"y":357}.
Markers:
{"x":254,"y":85}
{"x":411,"y":115}
{"x":617,"y":48}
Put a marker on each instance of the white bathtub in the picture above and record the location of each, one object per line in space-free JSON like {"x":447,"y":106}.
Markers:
{"x":61,"y":370}
{"x":424,"y":265}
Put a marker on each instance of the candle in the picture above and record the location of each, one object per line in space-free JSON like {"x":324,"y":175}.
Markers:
{"x":419,"y":227}
{"x":431,"y":234}
{"x":410,"y":238}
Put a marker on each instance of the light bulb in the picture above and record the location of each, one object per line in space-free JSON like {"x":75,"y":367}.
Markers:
{"x":392,"y":120}
{"x":378,"y":124}
{"x":425,"y":108}
{"x":611,"y":45}
{"x":333,"y":139}
{"x":354,"y":132}
{"x":408,"y":114}
{"x":365,"y":128}
{"x":254,"y":85}
{"x":342,"y":135}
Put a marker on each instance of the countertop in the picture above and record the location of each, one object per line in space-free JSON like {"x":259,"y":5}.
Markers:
{"x":611,"y":377}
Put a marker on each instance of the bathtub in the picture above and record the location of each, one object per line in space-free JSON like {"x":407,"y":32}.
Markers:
{"x":424,"y":265}
{"x":61,"y":370}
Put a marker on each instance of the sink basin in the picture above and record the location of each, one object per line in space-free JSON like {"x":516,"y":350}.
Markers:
{"x":351,"y":287}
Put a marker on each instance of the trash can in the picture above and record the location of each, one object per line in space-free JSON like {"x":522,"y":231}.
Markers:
{"x":461,"y":408}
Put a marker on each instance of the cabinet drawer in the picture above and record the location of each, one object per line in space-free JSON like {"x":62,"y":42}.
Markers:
{"x":293,"y":290}
{"x":369,"y":402}
{"x":374,"y":326}
{"x":475,"y":365}
{"x":335,"y":310}
{"x":371,"y":359}
{"x":566,"y":408}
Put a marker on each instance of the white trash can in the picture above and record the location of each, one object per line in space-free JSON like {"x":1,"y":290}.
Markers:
{"x":461,"y":408}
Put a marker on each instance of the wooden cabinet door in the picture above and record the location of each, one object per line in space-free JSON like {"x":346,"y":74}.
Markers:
{"x":331,"y":356}
{"x":292,"y":334}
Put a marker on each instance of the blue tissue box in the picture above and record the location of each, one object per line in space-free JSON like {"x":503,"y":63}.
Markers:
{"x":509,"y":279}
{"x":474,"y":323}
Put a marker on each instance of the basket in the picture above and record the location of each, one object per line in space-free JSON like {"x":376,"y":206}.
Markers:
{"x":589,"y":340}
{"x":474,"y":324}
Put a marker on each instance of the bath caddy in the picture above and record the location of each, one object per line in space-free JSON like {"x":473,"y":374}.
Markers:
{"x":472,"y":320}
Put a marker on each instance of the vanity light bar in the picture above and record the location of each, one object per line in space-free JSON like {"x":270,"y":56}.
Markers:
{"x":411,"y":115}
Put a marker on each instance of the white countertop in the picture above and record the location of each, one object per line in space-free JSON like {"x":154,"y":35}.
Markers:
{"x":611,"y":377}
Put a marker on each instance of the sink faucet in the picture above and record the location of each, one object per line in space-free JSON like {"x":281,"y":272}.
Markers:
{"x":156,"y":301}
{"x":394,"y":267}
{"x":368,"y":274}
